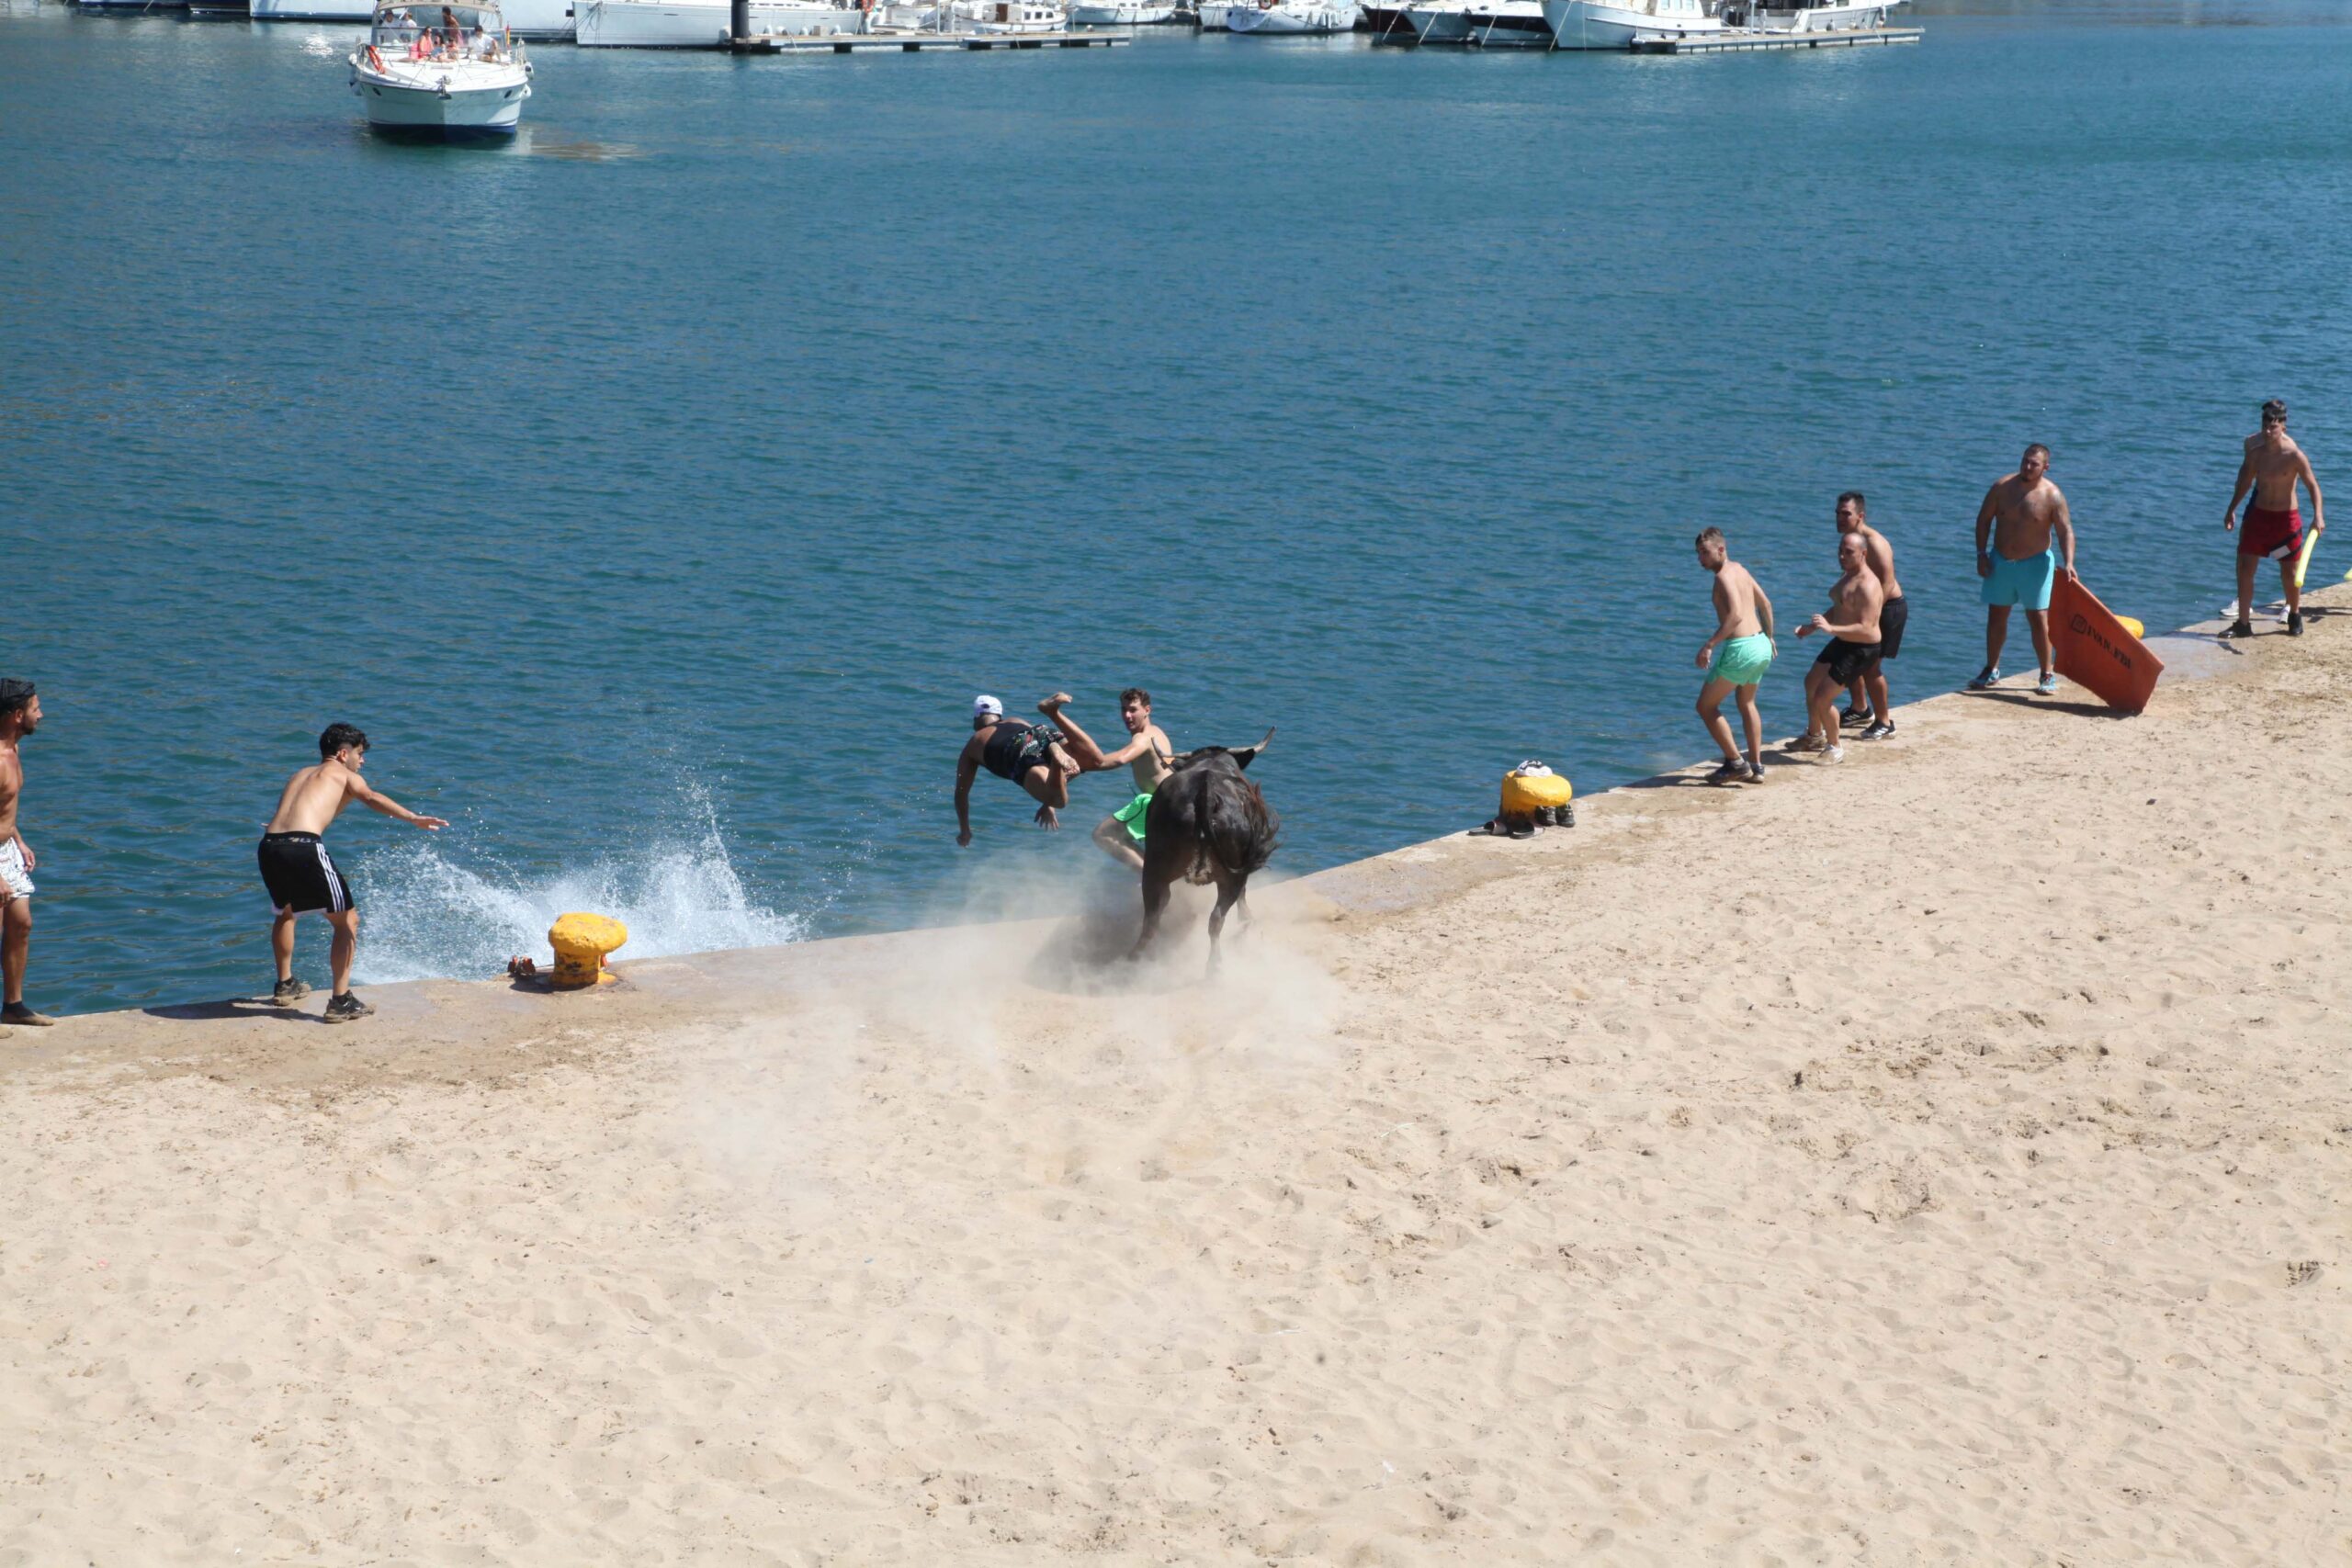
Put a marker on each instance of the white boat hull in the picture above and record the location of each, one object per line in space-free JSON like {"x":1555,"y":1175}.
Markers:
{"x":1211,"y":14}
{"x":1843,"y":16}
{"x":698,"y":24}
{"x":1123,"y":14}
{"x":408,"y":97}
{"x":538,"y":19}
{"x":1291,"y":19}
{"x":1439,"y":24}
{"x":1614,"y":24}
{"x":649,"y":24}
{"x":1514,"y":24}
{"x":311,"y":10}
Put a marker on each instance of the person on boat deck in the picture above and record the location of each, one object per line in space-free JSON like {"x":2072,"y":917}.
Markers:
{"x":2273,"y":466}
{"x":1041,"y":758}
{"x":2020,"y":564}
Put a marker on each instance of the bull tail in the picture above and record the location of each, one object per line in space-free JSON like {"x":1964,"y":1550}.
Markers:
{"x":1242,"y":830}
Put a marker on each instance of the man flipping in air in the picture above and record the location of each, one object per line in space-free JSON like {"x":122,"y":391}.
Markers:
{"x":1041,"y":758}
{"x":300,"y":874}
{"x":2273,"y":466}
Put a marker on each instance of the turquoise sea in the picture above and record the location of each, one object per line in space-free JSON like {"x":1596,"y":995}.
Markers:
{"x":658,"y":491}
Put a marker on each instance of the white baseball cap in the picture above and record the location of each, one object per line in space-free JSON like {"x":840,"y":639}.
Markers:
{"x":987,"y":707}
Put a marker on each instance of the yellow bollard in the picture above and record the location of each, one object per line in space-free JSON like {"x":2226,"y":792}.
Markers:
{"x":581,"y":943}
{"x":1524,"y":794}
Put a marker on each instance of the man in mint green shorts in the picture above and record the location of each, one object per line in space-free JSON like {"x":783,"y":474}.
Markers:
{"x":1146,"y":751}
{"x":2015,"y":556}
{"x":1735,"y":659}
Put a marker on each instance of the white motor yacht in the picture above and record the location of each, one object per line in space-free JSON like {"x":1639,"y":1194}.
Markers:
{"x":448,"y":70}
{"x":1807,"y":16}
{"x":1285,"y":17}
{"x":1439,"y":21}
{"x":311,"y":10}
{"x":538,"y":20}
{"x":1210,"y":14}
{"x":702,"y":24}
{"x":1509,"y":23}
{"x":1121,"y":13}
{"x":1613,"y":24}
{"x":1023,"y":17}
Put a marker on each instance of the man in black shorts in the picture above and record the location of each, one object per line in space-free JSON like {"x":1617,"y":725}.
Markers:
{"x":1870,"y":700}
{"x":1856,"y":600}
{"x":1040,"y":758}
{"x":300,"y":874}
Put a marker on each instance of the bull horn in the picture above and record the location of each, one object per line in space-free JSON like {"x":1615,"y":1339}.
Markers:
{"x":1247,"y":754}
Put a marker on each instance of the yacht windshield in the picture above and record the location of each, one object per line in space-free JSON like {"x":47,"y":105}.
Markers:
{"x":428,"y":31}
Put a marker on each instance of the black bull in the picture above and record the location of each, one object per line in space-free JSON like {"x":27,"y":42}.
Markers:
{"x":1207,"y":823}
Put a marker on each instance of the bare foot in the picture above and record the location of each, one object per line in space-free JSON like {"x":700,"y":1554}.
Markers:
{"x":1050,"y":707}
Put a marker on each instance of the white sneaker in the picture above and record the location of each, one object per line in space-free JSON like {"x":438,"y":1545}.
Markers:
{"x":1834,"y":754}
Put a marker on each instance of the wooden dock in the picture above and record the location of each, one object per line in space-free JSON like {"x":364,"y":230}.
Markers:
{"x":915,"y":43}
{"x":1732,"y":42}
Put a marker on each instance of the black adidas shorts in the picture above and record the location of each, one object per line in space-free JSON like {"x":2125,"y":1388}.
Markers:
{"x":300,"y":874}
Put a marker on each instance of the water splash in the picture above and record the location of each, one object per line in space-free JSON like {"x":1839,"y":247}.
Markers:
{"x":427,"y":917}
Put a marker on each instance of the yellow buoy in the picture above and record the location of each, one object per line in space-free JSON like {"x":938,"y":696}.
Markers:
{"x":2129,"y":624}
{"x":1524,"y":794}
{"x":581,"y":943}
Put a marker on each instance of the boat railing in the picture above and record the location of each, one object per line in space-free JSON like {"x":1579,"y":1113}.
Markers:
{"x":420,"y":44}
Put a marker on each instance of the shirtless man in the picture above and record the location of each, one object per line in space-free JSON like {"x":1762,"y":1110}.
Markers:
{"x":1040,"y":758}
{"x":1148,"y":753}
{"x":1869,"y":697}
{"x":302,"y":877}
{"x":2015,"y":558}
{"x":1735,"y":659}
{"x":1856,"y":600}
{"x":2273,"y":466}
{"x":19,"y":717}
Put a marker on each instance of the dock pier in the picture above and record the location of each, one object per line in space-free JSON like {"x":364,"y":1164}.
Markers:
{"x":1732,"y":42}
{"x":914,"y":42}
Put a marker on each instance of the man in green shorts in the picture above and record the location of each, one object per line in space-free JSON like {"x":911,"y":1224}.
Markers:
{"x":2021,"y":514}
{"x":1735,"y":659}
{"x":1146,"y":751}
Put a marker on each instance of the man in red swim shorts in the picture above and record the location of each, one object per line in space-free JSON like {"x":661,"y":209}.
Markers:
{"x":2274,"y":464}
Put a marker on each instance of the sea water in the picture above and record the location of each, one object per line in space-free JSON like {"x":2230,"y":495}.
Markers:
{"x":658,"y":491}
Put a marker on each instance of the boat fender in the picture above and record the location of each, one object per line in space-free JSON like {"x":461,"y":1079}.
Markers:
{"x":2131,"y":624}
{"x":581,"y":943}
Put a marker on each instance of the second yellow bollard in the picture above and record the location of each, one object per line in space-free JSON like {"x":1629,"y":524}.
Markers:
{"x":581,"y":943}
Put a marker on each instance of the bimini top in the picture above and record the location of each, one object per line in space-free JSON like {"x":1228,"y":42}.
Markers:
{"x":429,"y":14}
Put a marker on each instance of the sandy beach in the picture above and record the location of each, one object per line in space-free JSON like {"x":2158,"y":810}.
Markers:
{"x":1938,"y":1158}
